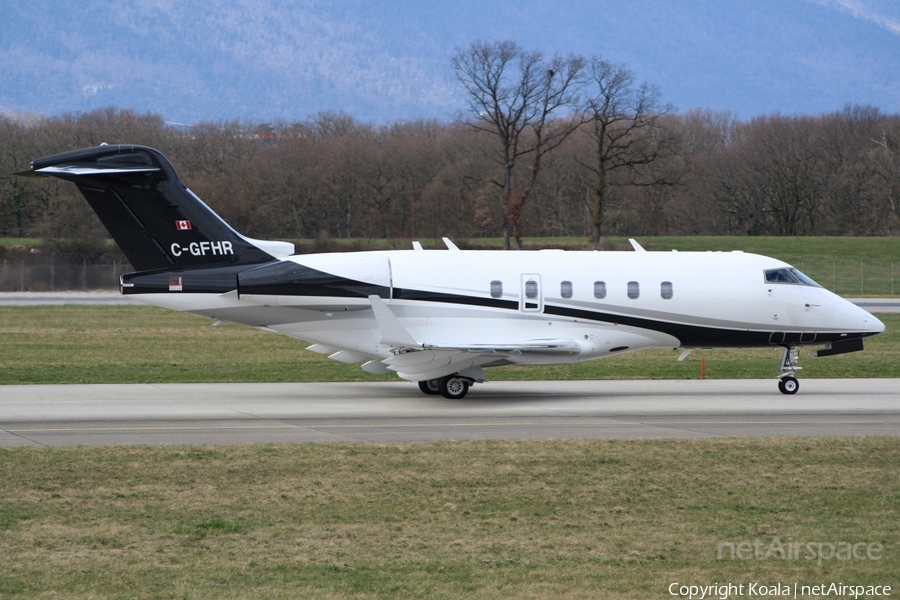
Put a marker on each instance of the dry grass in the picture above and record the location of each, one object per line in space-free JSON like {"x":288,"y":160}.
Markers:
{"x":567,"y":519}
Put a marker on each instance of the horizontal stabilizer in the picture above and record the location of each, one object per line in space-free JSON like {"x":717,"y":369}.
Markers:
{"x":79,"y":171}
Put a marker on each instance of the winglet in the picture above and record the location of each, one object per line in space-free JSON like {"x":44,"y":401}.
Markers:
{"x":392,"y":332}
{"x":637,"y":247}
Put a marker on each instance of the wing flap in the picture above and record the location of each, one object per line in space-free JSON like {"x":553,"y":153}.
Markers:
{"x":408,"y":359}
{"x":442,"y":364}
{"x":438,"y":362}
{"x":557,"y":346}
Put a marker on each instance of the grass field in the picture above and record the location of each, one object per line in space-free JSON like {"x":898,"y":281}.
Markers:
{"x":554,"y":519}
{"x":11,"y":242}
{"x":139,"y":344}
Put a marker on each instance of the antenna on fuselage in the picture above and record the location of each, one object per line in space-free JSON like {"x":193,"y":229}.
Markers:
{"x":637,"y":247}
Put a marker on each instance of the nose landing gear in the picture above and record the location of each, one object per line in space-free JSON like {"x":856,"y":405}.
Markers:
{"x":787,"y":382}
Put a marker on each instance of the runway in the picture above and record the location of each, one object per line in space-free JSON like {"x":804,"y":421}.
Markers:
{"x":152,"y":414}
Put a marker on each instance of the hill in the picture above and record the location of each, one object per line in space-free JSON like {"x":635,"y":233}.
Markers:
{"x":266,"y":59}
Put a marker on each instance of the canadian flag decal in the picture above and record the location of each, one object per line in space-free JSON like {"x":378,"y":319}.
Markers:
{"x":182,"y":225}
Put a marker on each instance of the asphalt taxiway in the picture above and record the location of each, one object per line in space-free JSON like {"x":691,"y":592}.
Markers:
{"x":66,"y":415}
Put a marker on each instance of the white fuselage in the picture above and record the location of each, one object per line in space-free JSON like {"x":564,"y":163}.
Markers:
{"x":500,"y":306}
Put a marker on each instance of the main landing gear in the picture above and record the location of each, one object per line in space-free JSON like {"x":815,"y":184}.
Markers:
{"x":454,"y":387}
{"x":787,"y":382}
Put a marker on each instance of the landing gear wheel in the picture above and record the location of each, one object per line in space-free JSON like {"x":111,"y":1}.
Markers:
{"x":788,"y":385}
{"x":431,"y":387}
{"x":453,"y":387}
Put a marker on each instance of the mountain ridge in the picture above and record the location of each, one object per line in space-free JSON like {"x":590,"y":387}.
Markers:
{"x":269,"y":59}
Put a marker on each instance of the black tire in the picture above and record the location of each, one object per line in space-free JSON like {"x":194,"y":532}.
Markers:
{"x":788,"y":385}
{"x":453,"y":387}
{"x":430,"y":387}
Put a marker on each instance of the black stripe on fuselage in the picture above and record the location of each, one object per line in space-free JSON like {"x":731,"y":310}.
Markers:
{"x":707,"y":337}
{"x":269,"y":278}
{"x":194,"y":280}
{"x":688,"y":335}
{"x":423,"y":296}
{"x":288,"y":278}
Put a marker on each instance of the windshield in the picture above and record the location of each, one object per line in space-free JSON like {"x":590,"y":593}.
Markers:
{"x":789,"y":275}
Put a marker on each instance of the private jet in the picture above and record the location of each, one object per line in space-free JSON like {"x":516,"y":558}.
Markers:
{"x":442,"y":317}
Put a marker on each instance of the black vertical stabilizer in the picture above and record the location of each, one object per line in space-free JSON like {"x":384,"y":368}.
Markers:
{"x":156,"y":221}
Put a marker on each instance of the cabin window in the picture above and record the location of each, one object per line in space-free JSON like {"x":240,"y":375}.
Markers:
{"x":600,"y":289}
{"x":565,"y":289}
{"x":665,"y":290}
{"x":531,"y":289}
{"x":634,"y":290}
{"x":496,"y":289}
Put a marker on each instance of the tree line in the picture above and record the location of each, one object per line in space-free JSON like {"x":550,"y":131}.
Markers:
{"x":546,"y":146}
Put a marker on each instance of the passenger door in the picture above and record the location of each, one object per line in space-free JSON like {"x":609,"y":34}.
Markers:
{"x":532,"y":297}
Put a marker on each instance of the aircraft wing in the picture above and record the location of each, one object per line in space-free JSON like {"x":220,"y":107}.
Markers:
{"x":435,"y":361}
{"x":418,"y":361}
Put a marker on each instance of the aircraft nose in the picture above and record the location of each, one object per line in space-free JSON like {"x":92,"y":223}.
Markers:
{"x":876,"y":324}
{"x":855,"y":318}
{"x":870,"y":323}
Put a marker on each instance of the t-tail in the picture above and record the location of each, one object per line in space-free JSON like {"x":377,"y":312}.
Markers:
{"x":158,"y":223}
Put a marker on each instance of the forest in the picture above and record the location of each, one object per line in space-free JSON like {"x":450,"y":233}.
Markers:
{"x":594,"y":155}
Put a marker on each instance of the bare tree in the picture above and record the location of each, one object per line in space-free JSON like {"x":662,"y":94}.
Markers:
{"x":884,"y":166}
{"x":15,"y":194}
{"x":516,"y":96}
{"x":625,"y":125}
{"x":785,"y":171}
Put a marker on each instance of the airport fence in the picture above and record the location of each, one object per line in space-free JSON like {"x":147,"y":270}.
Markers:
{"x":851,"y":277}
{"x":60,"y":274}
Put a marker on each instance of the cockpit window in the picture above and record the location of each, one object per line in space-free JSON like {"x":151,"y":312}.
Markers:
{"x":789,"y":275}
{"x":780,"y":276}
{"x":803,"y":278}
